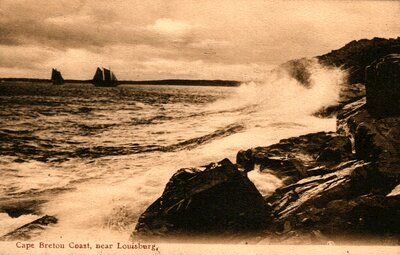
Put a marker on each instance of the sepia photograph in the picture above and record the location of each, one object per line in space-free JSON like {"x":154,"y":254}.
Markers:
{"x":200,"y":127}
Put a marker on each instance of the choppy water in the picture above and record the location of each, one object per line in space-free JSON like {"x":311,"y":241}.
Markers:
{"x":97,"y":157}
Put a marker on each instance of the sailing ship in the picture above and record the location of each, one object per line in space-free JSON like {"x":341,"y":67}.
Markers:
{"x":56,"y":77}
{"x":104,"y":78}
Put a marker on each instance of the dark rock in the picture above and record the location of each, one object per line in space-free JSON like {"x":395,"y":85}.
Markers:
{"x":375,"y":214}
{"x":298,"y":157}
{"x":383,"y":86}
{"x":357,"y":55}
{"x":30,"y":230}
{"x":350,"y":200}
{"x":218,"y":199}
{"x":374,"y":139}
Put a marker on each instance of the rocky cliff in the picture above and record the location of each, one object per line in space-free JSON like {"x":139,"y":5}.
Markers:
{"x":336,"y":185}
{"x":383,"y":86}
{"x":357,"y":55}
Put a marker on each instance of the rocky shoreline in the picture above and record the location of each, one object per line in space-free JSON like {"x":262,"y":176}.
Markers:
{"x":336,"y":185}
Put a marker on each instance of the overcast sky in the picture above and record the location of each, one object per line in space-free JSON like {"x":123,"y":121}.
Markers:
{"x":197,"y":39}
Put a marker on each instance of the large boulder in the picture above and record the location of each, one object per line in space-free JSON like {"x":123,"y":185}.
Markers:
{"x":219,"y":199}
{"x":383,"y":86}
{"x":374,"y":139}
{"x":298,"y":157}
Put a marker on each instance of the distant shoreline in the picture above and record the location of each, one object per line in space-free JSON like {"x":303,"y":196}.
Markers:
{"x":224,"y":83}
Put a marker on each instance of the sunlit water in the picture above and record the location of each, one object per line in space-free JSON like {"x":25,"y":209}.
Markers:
{"x":100,"y":156}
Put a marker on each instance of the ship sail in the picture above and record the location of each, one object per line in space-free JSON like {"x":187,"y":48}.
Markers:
{"x":56,"y":77}
{"x":98,"y":76}
{"x":104,"y":78}
{"x":107,"y":75}
{"x":113,"y":78}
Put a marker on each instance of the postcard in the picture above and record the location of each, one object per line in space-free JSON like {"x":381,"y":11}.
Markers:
{"x":193,"y":127}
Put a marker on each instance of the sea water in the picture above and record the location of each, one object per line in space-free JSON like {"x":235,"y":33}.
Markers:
{"x":96,"y":158}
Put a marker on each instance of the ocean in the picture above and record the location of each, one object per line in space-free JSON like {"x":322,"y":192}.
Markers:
{"x":96,"y":158}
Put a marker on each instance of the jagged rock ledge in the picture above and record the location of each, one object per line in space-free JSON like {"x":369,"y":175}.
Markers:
{"x":337,"y":186}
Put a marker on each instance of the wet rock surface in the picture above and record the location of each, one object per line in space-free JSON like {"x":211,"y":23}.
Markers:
{"x":374,"y":139}
{"x":216,"y":200}
{"x":30,"y":230}
{"x":298,"y":157}
{"x":350,"y":200}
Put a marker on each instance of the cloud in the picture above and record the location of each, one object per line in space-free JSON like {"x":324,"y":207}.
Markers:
{"x":170,"y":27}
{"x":23,"y":57}
{"x":64,"y":25}
{"x":155,"y":39}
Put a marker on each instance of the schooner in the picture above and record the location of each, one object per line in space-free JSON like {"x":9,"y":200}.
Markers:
{"x":56,"y":77}
{"x":104,"y":78}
